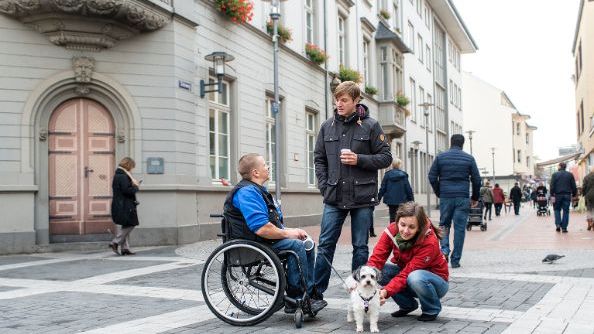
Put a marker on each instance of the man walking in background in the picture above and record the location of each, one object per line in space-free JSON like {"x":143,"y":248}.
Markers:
{"x":450,"y":177}
{"x":515,"y":194}
{"x":563,"y":188}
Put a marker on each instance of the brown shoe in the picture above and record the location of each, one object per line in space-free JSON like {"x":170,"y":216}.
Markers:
{"x":127,"y":252}
{"x":114,"y":247}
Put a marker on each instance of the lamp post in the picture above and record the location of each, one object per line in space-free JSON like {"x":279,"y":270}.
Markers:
{"x":493,"y":159}
{"x":470,"y":132}
{"x":425,"y":106}
{"x":275,"y":16}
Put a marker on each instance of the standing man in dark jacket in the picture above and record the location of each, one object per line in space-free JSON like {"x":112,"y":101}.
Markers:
{"x":395,"y":189}
{"x":515,"y":194}
{"x":450,"y":177}
{"x":563,"y":188}
{"x":350,"y":148}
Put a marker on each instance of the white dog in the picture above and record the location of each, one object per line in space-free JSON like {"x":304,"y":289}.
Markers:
{"x":365,"y":297}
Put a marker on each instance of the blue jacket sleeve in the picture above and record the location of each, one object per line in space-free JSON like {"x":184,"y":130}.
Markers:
{"x":409,"y":193}
{"x":251,"y":204}
{"x":382,"y":190}
{"x":433,"y":176}
{"x":475,"y":178}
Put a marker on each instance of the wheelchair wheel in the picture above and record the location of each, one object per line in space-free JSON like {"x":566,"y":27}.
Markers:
{"x":243,"y":282}
{"x":298,"y":318}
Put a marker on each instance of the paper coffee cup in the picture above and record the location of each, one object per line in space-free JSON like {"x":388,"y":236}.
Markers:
{"x":345,"y":150}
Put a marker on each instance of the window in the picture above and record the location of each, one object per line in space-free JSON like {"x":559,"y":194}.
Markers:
{"x":341,"y":41}
{"x":310,"y":134}
{"x":270,"y":137}
{"x":385,"y":74}
{"x":428,"y":57}
{"x":582,"y":116}
{"x":430,"y":101}
{"x":527,"y":138}
{"x":420,"y":44}
{"x":420,"y":7}
{"x":451,"y":91}
{"x":518,"y":128}
{"x":427,"y":17}
{"x":413,"y":99}
{"x":411,"y":37}
{"x":397,"y":72}
{"x":421,"y":101}
{"x":519,"y":155}
{"x":309,"y":21}
{"x":366,"y":69}
{"x":218,"y":130}
{"x":396,"y":16}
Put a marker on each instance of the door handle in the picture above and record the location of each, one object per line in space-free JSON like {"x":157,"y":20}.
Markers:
{"x":88,"y":171}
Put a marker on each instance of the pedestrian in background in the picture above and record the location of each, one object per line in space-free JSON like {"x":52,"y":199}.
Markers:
{"x":487,"y":198}
{"x":563,"y":188}
{"x":515,"y":194}
{"x":588,"y":193}
{"x":395,"y":189}
{"x":350,"y":149}
{"x":450,"y":176}
{"x":123,"y":205}
{"x":498,"y":199}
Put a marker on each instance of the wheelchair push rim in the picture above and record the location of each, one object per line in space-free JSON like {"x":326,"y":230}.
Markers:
{"x":243,"y":294}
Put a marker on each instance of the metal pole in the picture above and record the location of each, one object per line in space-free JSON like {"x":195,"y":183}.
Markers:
{"x":470,"y":132}
{"x":325,"y":63}
{"x":493,"y":159}
{"x":426,"y":105}
{"x":275,"y":16}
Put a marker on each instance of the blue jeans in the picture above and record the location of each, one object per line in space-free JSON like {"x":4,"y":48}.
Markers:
{"x":294,"y":288}
{"x":332,"y":220}
{"x":422,"y":284}
{"x":456,"y":210}
{"x":562,"y":202}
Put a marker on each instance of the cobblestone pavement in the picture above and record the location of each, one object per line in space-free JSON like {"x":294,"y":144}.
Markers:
{"x":502,"y":287}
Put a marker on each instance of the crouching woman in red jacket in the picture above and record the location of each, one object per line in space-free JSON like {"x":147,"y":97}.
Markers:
{"x":418,"y":269}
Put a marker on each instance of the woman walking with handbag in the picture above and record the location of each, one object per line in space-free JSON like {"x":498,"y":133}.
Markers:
{"x":123,"y":205}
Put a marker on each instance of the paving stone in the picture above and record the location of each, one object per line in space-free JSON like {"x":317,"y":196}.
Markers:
{"x":13,"y":259}
{"x":183,"y":278}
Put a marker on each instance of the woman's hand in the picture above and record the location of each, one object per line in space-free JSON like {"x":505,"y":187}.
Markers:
{"x":383,"y":296}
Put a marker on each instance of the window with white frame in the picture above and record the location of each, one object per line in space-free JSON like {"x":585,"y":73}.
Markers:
{"x":427,"y":16}
{"x":411,"y":37}
{"x":219,"y":119}
{"x":271,"y":137}
{"x":413,"y":99}
{"x":396,"y":16}
{"x":430,"y":101}
{"x":518,"y":128}
{"x":341,"y":40}
{"x":420,"y":44}
{"x":459,"y":98}
{"x":366,"y":67}
{"x":309,"y":21}
{"x":519,"y":155}
{"x":527,"y":138}
{"x":382,"y":4}
{"x":310,"y":134}
{"x":451,"y":91}
{"x":384,"y":70}
{"x":397,"y":71}
{"x":420,"y":7}
{"x":428,"y":57}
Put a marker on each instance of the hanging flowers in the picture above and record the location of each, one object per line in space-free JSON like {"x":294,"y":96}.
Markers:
{"x":240,"y":11}
{"x":315,"y":54}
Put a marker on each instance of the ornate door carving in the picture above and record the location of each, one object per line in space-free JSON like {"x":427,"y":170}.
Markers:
{"x":81,"y":165}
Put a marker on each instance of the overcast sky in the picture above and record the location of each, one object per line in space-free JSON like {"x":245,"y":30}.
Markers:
{"x":525,"y":50}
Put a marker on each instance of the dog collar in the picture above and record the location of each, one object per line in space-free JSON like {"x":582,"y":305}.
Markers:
{"x":367,"y":300}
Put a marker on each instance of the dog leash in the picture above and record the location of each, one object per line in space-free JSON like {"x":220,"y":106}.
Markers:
{"x":331,"y":266}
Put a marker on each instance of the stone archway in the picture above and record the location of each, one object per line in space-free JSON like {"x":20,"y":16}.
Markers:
{"x":46,"y":98}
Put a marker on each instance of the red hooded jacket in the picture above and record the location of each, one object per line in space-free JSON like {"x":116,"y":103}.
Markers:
{"x":498,"y":196}
{"x":425,"y":254}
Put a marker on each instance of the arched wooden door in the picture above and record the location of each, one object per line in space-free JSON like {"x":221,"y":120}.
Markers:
{"x":81,"y":166}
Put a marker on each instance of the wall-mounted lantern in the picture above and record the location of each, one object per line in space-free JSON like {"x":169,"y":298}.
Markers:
{"x":218,"y":62}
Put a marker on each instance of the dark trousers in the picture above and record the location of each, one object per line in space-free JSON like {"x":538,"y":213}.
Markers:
{"x":393,"y":209}
{"x":488,"y":208}
{"x":498,"y":208}
{"x":517,"y":207}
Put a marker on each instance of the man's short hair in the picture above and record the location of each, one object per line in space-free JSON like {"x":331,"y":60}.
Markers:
{"x":247,"y":164}
{"x":457,"y":140}
{"x":349,"y":88}
{"x":562,"y":165}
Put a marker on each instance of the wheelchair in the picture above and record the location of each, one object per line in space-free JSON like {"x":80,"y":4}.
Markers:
{"x":244,"y":282}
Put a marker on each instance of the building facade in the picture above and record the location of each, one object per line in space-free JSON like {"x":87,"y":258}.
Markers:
{"x":85,"y":84}
{"x":502,"y":140}
{"x":583,"y":50}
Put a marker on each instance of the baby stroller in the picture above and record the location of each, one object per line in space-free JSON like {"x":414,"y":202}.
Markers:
{"x":542,"y":204}
{"x":475,"y":217}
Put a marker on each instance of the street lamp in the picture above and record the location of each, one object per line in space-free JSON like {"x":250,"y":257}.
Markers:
{"x":425,"y":106}
{"x":493,"y":158}
{"x":275,"y":16}
{"x":470,"y":132}
{"x":218,"y":59}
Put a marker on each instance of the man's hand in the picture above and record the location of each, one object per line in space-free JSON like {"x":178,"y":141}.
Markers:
{"x":348,"y":158}
{"x":473,"y":203}
{"x":383,"y":296}
{"x":296,"y":233}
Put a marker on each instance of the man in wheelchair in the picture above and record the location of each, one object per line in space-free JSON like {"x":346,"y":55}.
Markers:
{"x":252,"y":214}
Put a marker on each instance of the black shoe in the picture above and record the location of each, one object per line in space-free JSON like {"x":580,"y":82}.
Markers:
{"x":401,"y":313}
{"x":317,"y":305}
{"x":455,"y":265}
{"x":372,"y":235}
{"x":427,"y":317}
{"x":127,"y":252}
{"x":558,"y":229}
{"x":290,"y":308}
{"x":564,"y":230}
{"x":114,"y":247}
